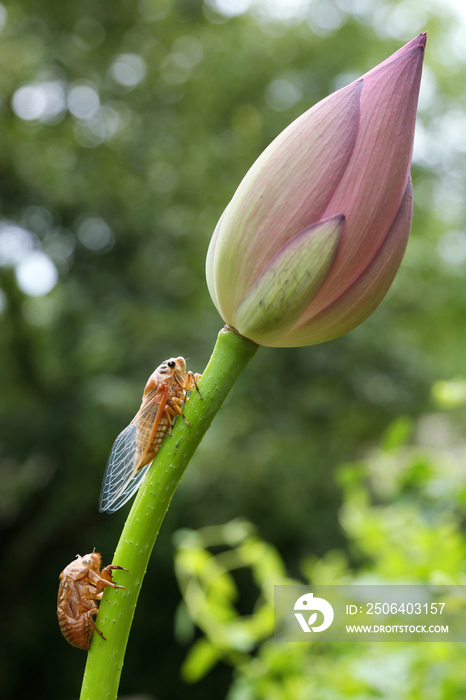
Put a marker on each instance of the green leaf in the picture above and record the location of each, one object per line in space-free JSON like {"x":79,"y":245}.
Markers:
{"x":397,"y":433}
{"x":450,"y":394}
{"x":201,"y":658}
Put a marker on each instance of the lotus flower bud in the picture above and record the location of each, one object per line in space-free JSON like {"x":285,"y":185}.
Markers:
{"x":314,"y":235}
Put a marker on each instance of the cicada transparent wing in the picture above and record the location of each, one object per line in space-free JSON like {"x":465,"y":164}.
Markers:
{"x":120,"y":478}
{"x":123,"y":473}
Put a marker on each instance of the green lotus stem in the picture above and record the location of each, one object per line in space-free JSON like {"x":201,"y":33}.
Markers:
{"x":105,"y":659}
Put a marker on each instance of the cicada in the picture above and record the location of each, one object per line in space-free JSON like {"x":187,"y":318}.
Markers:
{"x":81,"y":584}
{"x":135,"y":447}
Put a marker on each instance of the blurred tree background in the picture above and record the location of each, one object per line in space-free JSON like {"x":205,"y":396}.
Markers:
{"x":126,"y":128}
{"x":400,"y":527}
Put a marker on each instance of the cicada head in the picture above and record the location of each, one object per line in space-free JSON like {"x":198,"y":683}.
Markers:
{"x":174,"y":368}
{"x":92,"y":560}
{"x":179,"y":371}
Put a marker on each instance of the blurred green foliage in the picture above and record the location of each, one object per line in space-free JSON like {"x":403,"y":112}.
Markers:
{"x":126,"y":128}
{"x":400,"y":528}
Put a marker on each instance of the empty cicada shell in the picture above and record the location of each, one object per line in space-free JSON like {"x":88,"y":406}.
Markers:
{"x":81,"y":585}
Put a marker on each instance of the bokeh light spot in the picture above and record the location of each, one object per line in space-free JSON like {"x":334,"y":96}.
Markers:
{"x":230,"y":8}
{"x":43,"y":102}
{"x":36,"y":274}
{"x":83,"y":100}
{"x":187,"y":51}
{"x":128,"y":70}
{"x":15,"y":243}
{"x":95,"y":234}
{"x":452,"y":247}
{"x":282,"y":94}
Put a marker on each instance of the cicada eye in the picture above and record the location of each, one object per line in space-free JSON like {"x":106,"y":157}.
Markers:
{"x":171,"y":364}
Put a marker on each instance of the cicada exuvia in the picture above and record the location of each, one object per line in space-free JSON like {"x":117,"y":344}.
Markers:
{"x":81,"y":585}
{"x":135,"y":447}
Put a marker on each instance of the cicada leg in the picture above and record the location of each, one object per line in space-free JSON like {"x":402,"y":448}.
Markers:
{"x":112,"y":567}
{"x":169,"y":412}
{"x":104,"y":579}
{"x":177,"y":406}
{"x":191,"y":381}
{"x":97,"y":629}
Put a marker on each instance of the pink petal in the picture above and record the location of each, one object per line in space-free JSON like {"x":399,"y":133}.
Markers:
{"x":279,"y":296}
{"x":286,"y":190}
{"x":210,"y":270}
{"x":371,"y":190}
{"x":365,"y":294}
